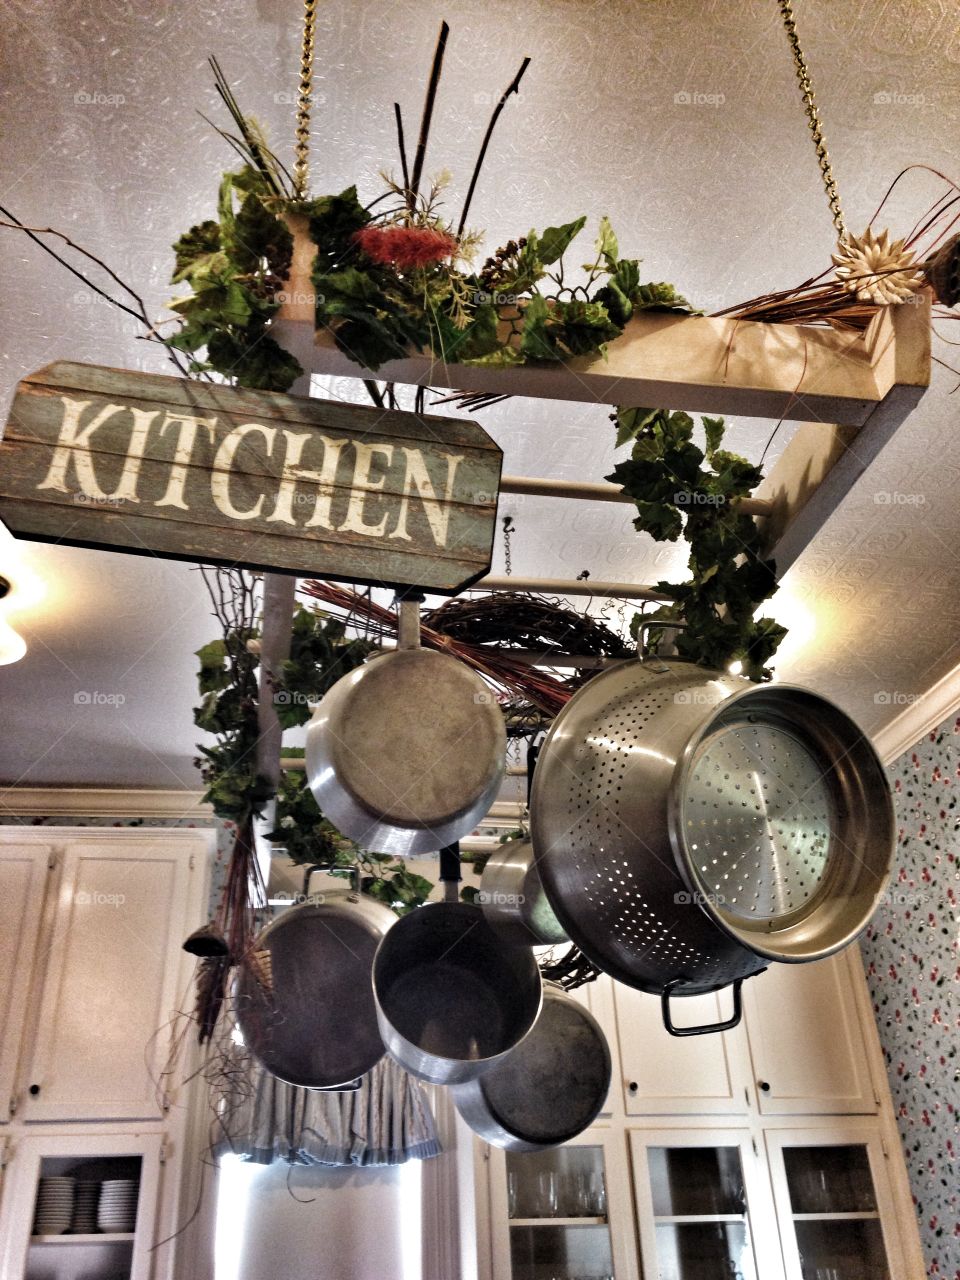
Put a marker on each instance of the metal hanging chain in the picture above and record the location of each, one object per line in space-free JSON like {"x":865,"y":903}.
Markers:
{"x":304,"y":95}
{"x":508,"y":528}
{"x":813,"y":117}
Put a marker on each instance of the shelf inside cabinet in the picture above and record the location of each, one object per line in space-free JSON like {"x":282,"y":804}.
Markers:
{"x":863,"y":1216}
{"x":686,"y":1219}
{"x":100,"y":1237}
{"x":558,"y":1222}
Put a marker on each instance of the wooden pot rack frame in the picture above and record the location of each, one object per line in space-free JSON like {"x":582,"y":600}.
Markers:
{"x":849,"y":390}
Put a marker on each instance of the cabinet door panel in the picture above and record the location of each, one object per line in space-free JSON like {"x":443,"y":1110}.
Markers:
{"x":805,"y":1040}
{"x":110,"y":988}
{"x":703,"y":1207}
{"x":835,"y":1205}
{"x":664,"y":1075}
{"x":23,"y":876}
{"x":559,"y":1238}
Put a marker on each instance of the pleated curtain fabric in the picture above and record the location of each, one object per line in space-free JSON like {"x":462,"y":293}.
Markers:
{"x":263,"y":1119}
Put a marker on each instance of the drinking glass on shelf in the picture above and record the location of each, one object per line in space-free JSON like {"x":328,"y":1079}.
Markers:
{"x":598,"y":1194}
{"x":547,"y":1195}
{"x":512,"y":1190}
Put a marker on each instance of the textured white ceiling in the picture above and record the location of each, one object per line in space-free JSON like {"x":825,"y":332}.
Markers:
{"x":101,"y":139}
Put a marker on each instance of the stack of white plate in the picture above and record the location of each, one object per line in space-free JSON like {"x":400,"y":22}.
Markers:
{"x":54,"y":1206}
{"x":85,"y":1209}
{"x":117,"y":1210}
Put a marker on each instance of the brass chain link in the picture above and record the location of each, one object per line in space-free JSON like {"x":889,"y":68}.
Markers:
{"x":813,"y":117}
{"x":304,"y":95}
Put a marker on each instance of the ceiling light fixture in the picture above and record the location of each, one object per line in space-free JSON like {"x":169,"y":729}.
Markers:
{"x":20,"y":588}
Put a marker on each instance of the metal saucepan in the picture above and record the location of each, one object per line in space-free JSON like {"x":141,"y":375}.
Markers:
{"x":549,"y":1089}
{"x":452,"y":1000}
{"x":690,"y":826}
{"x":513,"y":900}
{"x":304,"y":1003}
{"x":406,"y":753}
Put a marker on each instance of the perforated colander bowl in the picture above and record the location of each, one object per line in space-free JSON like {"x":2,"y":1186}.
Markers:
{"x":690,"y":826}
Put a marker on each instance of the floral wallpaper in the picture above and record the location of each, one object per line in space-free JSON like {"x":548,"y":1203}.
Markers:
{"x":912,"y":957}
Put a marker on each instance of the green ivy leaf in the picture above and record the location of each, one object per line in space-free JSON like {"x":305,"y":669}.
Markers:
{"x":502,"y":358}
{"x":556,"y":240}
{"x":659,"y":297}
{"x":714,"y":431}
{"x":607,"y":246}
{"x":579,"y":328}
{"x":334,"y":220}
{"x":259,"y":236}
{"x":535,"y":342}
{"x":194,"y":247}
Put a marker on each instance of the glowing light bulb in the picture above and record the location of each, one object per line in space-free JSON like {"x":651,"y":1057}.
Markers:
{"x":735,"y":667}
{"x":12,"y":644}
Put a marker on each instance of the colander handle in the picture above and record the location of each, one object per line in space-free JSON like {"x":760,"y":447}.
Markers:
{"x":708,"y":1027}
{"x":652,"y":624}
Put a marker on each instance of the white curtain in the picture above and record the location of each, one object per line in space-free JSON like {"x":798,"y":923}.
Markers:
{"x":386,"y":1121}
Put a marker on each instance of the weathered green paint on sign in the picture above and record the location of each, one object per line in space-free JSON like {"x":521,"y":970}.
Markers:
{"x":154,"y":465}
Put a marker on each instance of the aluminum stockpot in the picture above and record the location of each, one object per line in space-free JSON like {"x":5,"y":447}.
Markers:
{"x":304,"y":1004}
{"x":690,"y":827}
{"x":548,"y":1089}
{"x":513,"y":899}
{"x":452,"y":999}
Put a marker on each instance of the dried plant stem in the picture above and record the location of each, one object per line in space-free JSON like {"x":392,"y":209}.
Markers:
{"x":427,"y":116}
{"x":139,"y":314}
{"x":513,"y":87}
{"x":403,"y":150}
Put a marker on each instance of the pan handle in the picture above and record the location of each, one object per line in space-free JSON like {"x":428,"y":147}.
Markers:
{"x":314,"y":867}
{"x":707,"y":1028}
{"x":408,"y":618}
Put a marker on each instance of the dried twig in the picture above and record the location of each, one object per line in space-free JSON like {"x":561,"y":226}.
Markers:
{"x":427,"y":115}
{"x":513,"y":87}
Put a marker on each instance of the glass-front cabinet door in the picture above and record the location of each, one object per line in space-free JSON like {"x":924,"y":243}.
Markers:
{"x":837,"y":1219}
{"x":563,"y":1214}
{"x":79,"y":1207}
{"x":700,"y":1206}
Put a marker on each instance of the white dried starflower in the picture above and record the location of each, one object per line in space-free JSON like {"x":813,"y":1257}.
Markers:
{"x":876,"y":270}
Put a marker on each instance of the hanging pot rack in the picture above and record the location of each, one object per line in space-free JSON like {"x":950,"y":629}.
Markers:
{"x":849,"y":390}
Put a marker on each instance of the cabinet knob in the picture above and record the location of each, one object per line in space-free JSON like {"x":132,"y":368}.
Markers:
{"x":34,"y":1090}
{"x":764,"y":1085}
{"x":633,"y":1086}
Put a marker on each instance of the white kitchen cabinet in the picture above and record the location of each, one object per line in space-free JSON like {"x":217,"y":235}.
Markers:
{"x":563,"y":1214}
{"x":666,"y":1075}
{"x":110,"y":979}
{"x":24,"y":870}
{"x":703,"y":1205}
{"x":835,"y":1204}
{"x":807,"y":1047}
{"x":32,"y":1156}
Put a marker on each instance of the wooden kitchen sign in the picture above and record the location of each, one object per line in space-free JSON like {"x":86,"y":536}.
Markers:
{"x":137,"y":462}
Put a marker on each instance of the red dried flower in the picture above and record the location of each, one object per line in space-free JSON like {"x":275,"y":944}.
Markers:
{"x":406,"y":247}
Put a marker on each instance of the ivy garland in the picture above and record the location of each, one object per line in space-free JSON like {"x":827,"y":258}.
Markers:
{"x":682,"y":490}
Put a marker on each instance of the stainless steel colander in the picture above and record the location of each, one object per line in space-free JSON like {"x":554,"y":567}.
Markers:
{"x":690,"y":827}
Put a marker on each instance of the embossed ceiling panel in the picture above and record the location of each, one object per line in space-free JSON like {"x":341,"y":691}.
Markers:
{"x":679,"y":119}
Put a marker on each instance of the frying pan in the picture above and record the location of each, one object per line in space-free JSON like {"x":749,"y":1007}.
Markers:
{"x":405,"y":754}
{"x":548,"y":1089}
